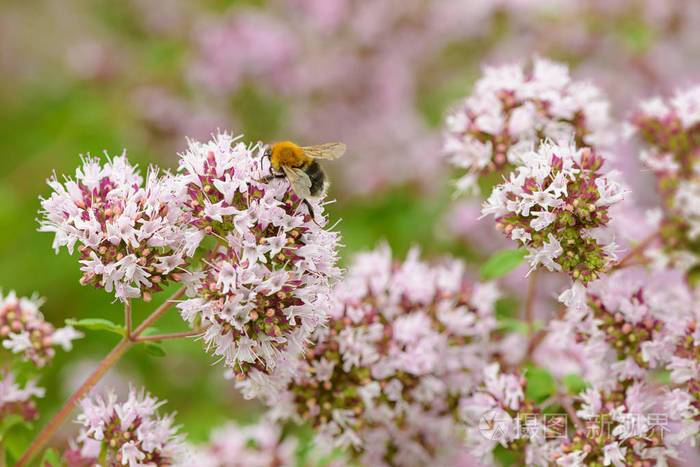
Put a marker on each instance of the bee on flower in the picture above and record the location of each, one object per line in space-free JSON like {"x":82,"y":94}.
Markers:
{"x":266,"y":283}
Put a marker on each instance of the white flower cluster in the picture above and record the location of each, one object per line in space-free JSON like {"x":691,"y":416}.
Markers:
{"x":555,"y":203}
{"x":267,"y":263}
{"x":132,"y":237}
{"x":668,"y":127}
{"x":266,"y":284}
{"x":511,"y":109}
{"x":619,"y":427}
{"x":126,"y":433}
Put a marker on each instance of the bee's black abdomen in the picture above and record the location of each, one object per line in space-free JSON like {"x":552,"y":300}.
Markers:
{"x":317,"y":177}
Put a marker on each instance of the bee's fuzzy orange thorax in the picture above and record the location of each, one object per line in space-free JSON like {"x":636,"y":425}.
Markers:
{"x":288,"y":154}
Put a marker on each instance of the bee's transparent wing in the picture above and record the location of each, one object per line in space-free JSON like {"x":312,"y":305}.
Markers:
{"x":301,"y":183}
{"x":328,"y":151}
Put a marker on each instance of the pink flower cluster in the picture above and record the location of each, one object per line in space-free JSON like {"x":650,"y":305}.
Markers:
{"x":265,"y":285}
{"x":405,"y":341}
{"x":24,"y":331}
{"x":258,"y":445}
{"x":267,"y":264}
{"x":262,"y":444}
{"x":512,"y":109}
{"x":627,"y":323}
{"x":632,"y":325}
{"x":125,"y":433}
{"x":16,"y":399}
{"x":133,"y":239}
{"x":670,"y":130}
{"x":555,"y":203}
{"x":621,"y":426}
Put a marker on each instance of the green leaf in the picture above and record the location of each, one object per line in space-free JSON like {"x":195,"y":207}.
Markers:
{"x":507,"y":457}
{"x":661,"y":376}
{"x":541,"y":385}
{"x":150,"y":331}
{"x":501,"y":263}
{"x":51,"y":458}
{"x":513,"y":325}
{"x":97,"y":324}
{"x":574,"y":383}
{"x":17,"y":441}
{"x":507,"y":307}
{"x":12,"y":421}
{"x":153,"y":349}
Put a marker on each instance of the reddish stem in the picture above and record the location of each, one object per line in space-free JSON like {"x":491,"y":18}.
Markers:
{"x":637,"y":250}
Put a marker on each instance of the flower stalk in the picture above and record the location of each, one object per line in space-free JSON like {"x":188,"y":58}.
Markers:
{"x":129,"y":340}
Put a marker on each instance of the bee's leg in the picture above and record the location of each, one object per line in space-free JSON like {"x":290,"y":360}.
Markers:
{"x":310,"y":208}
{"x":272,"y":176}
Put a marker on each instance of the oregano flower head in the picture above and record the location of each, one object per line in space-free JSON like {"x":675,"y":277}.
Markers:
{"x":555,"y":203}
{"x":266,"y":282}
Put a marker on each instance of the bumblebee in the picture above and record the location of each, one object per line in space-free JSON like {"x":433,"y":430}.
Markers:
{"x":299,"y":164}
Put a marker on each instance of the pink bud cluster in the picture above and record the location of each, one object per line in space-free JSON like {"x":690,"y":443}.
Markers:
{"x":16,"y":399}
{"x":555,"y":203}
{"x":670,"y":130}
{"x":125,"y":433}
{"x":512,"y":108}
{"x":265,"y":285}
{"x":131,"y":234}
{"x":24,"y":331}
{"x":405,"y":341}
